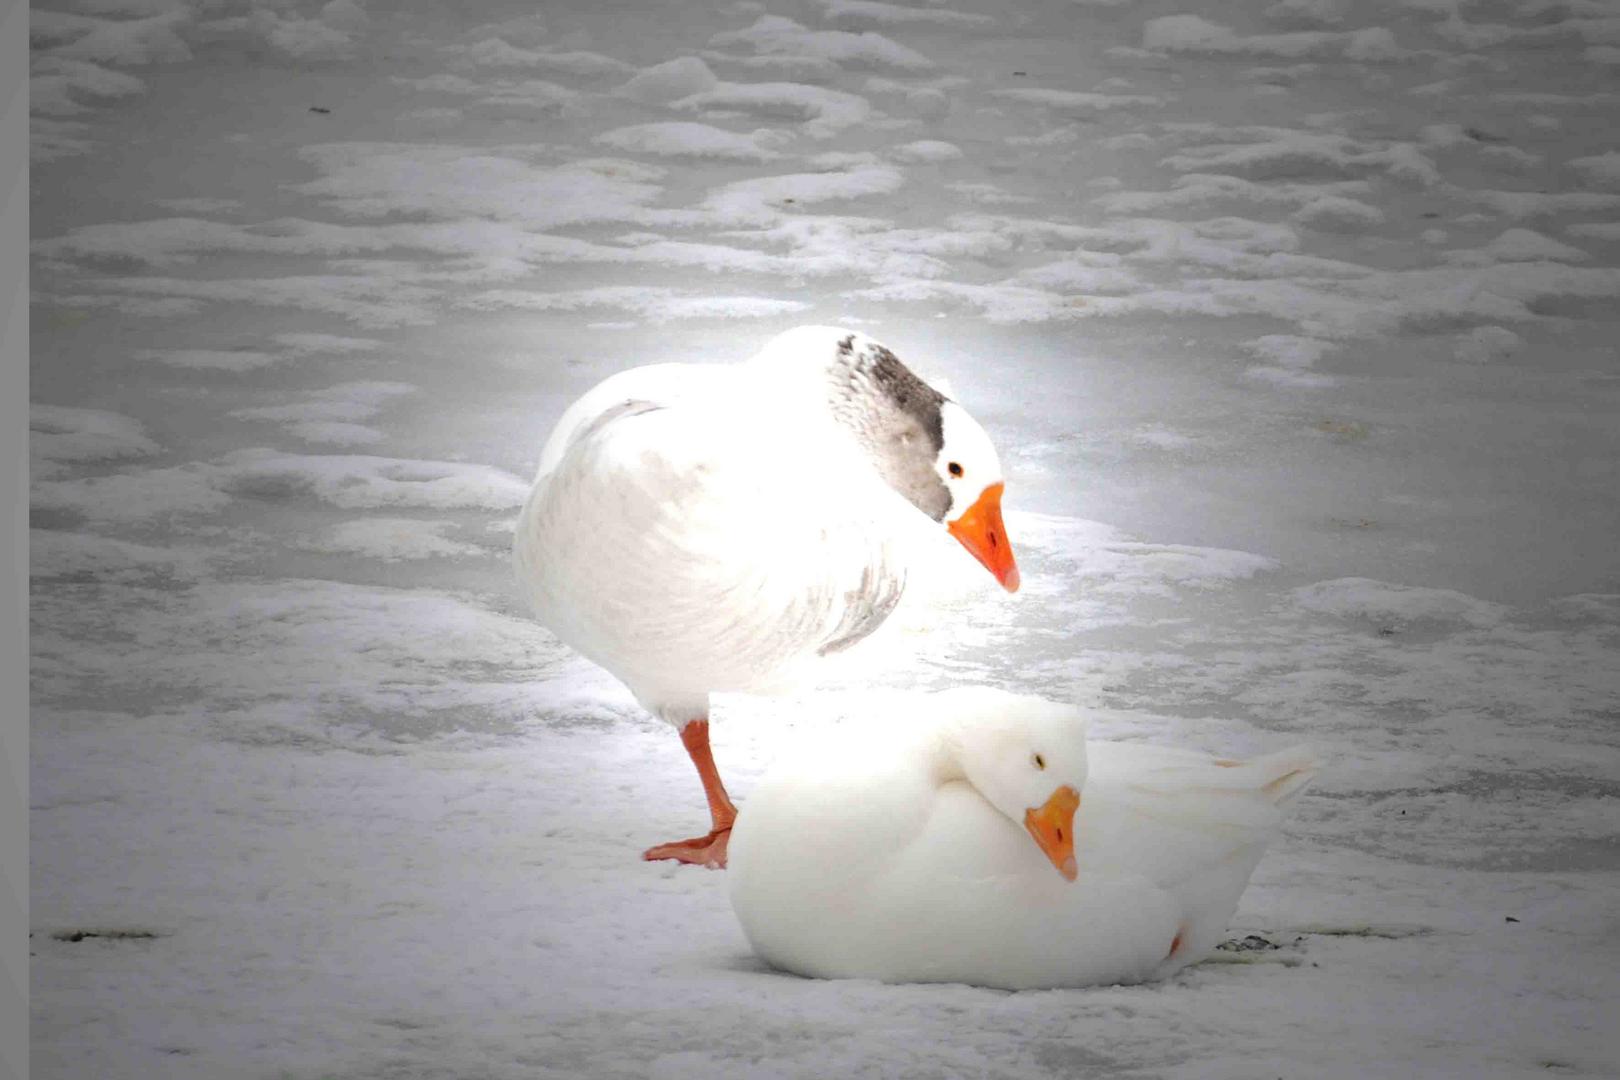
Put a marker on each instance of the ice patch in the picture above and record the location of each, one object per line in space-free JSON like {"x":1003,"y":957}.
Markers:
{"x":1078,"y":103}
{"x":59,"y":435}
{"x":1281,"y":153}
{"x":379,"y":179}
{"x":1375,"y":45}
{"x":1289,"y":377}
{"x":527,"y":95}
{"x":1334,"y":213}
{"x":210,"y":359}
{"x":138,"y":306}
{"x":1529,"y":204}
{"x":201,"y":205}
{"x":1593,"y":607}
{"x":873,"y":13}
{"x":1483,"y":344}
{"x":51,"y":140}
{"x":1602,"y":170}
{"x":987,"y":194}
{"x":1077,"y":275}
{"x":775,"y":34}
{"x":1598,"y":230}
{"x":133,"y":497}
{"x":356,"y":482}
{"x":1290,"y":351}
{"x":1192,"y":34}
{"x":931,"y":151}
{"x":763,"y":199}
{"x":369,"y":302}
{"x":133,"y":42}
{"x":307,"y":344}
{"x":1374,"y":303}
{"x":770,"y":68}
{"x":312,"y":662}
{"x":654,"y":303}
{"x":85,"y":556}
{"x":312,"y":40}
{"x":1106,"y":562}
{"x":673,"y":79}
{"x":1527,"y":245}
{"x":332,"y":415}
{"x":1396,"y":605}
{"x":1199,"y":189}
{"x":496,"y":52}
{"x":1003,"y":303}
{"x":824,"y":112}
{"x":56,"y":86}
{"x":929,"y":103}
{"x":1289,"y":358}
{"x":686,"y":139}
{"x":349,"y":481}
{"x":529,"y":31}
{"x":394,"y":540}
{"x":1324,"y":12}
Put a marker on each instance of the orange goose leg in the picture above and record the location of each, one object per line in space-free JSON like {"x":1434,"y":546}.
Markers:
{"x":707,"y":850}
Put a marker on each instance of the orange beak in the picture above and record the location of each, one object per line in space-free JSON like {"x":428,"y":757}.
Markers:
{"x":1052,"y":826}
{"x":979,"y":529}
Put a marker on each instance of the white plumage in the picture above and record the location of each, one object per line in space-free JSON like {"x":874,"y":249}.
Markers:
{"x":698,"y":528}
{"x":686,"y":542}
{"x":908,"y":852}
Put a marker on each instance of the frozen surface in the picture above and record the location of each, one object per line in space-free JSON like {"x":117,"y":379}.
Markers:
{"x":1295,"y":321}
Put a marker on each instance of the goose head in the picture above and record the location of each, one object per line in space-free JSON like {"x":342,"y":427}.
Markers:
{"x":924,"y":445}
{"x":970,"y":470}
{"x":1025,"y":756}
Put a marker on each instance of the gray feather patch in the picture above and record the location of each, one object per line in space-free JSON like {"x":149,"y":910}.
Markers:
{"x":865,"y":608}
{"x":896,"y":382}
{"x":897,"y":417}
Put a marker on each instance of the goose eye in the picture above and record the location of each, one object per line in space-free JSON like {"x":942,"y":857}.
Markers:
{"x":1040,"y":761}
{"x":955,"y":468}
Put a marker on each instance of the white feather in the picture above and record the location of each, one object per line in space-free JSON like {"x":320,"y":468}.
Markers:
{"x":869,"y":854}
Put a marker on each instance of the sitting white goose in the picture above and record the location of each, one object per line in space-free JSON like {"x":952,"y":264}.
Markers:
{"x":949,"y":848}
{"x":699,"y":528}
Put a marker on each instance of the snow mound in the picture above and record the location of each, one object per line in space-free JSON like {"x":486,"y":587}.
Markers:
{"x":775,"y":34}
{"x":687,"y":139}
{"x":663,"y":83}
{"x":824,"y":112}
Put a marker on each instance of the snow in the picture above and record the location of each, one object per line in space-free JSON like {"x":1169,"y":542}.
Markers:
{"x":128,"y":41}
{"x":824,"y":112}
{"x":927,"y":150}
{"x":394,"y":539}
{"x":496,"y":52}
{"x":1294,"y":322}
{"x":1076,"y":102}
{"x":678,"y":78}
{"x":61,"y":433}
{"x":332,"y":415}
{"x":685,"y":139}
{"x":873,"y":13}
{"x":1601,"y":169}
{"x":774,"y":34}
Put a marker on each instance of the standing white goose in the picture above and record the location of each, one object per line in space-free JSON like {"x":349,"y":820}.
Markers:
{"x":905,"y":853}
{"x":699,"y":528}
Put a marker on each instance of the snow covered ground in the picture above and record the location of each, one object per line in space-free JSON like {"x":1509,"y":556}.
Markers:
{"x":1296,"y":321}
